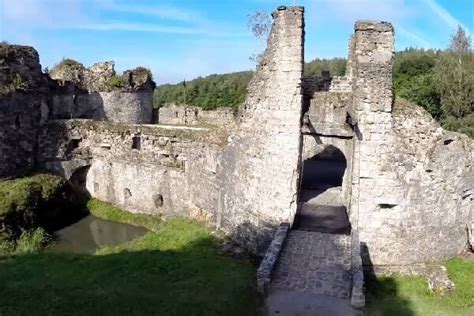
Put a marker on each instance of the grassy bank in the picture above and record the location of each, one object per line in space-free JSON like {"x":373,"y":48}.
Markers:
{"x":40,"y":201}
{"x":410,"y":296}
{"x":174,"y":269}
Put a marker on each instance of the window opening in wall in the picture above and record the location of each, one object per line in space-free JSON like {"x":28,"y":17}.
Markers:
{"x":136,"y":142}
{"x":127,"y":193}
{"x":158,"y":200}
{"x":17,"y":121}
{"x":75,"y":143}
{"x":72,"y":145}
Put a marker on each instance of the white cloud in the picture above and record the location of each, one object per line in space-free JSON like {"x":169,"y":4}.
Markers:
{"x":156,"y":28}
{"x":163,"y":12}
{"x":351,"y":10}
{"x":413,"y":36}
{"x":45,"y":13}
{"x":445,"y":16}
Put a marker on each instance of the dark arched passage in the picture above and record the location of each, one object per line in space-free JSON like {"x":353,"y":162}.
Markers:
{"x":322,"y":208}
{"x":324,"y":170}
{"x":78,"y":179}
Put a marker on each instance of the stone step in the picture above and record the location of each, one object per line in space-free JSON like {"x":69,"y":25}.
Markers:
{"x":315,"y":263}
{"x":323,"y":218}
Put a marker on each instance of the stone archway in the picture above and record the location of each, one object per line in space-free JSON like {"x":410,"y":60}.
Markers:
{"x":78,"y":179}
{"x":322,"y":206}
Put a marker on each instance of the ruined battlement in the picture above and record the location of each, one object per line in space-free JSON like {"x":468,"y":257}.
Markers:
{"x":99,"y":93}
{"x":366,"y":25}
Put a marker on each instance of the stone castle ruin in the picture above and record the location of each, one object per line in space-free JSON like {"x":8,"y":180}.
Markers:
{"x":334,"y":155}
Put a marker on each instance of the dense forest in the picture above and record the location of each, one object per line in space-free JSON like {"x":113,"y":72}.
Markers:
{"x":441,"y":81}
{"x":230,"y":89}
{"x":208,"y":93}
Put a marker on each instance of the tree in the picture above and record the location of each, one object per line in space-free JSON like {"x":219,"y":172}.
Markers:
{"x":455,"y":76}
{"x":460,"y":42}
{"x":260,"y":24}
{"x":455,"y":84}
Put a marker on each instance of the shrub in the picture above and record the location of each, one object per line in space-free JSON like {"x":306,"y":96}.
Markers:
{"x":68,"y":63}
{"x":39,"y":201}
{"x":32,"y":241}
{"x":115,"y":82}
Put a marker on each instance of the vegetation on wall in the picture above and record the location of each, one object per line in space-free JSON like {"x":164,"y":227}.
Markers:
{"x":10,"y":81}
{"x":41,"y":201}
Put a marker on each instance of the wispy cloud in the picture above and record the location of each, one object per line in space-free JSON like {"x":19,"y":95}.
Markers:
{"x":163,"y":12}
{"x":445,"y":16}
{"x":44,"y":13}
{"x":30,"y":15}
{"x":351,"y":10}
{"x":155,"y":28}
{"x":413,"y":36}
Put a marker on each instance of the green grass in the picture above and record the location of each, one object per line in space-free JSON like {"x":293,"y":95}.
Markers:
{"x":112,"y":213}
{"x":174,"y":269}
{"x":410,"y":295}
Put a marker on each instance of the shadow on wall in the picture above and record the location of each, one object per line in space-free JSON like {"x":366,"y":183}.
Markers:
{"x":79,"y":104}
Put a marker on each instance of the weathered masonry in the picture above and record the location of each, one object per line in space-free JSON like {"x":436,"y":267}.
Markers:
{"x":306,"y":151}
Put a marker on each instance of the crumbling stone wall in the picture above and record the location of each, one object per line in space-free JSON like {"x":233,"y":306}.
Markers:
{"x":98,"y":93}
{"x":192,"y":115}
{"x":412,"y":181}
{"x":23,"y":97}
{"x":259,"y":167}
{"x":145,"y":168}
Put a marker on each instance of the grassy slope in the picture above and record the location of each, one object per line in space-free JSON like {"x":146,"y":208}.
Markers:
{"x":173,"y":270}
{"x":410,"y":295}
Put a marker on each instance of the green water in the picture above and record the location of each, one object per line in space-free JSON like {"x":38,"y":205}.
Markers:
{"x":92,"y":233}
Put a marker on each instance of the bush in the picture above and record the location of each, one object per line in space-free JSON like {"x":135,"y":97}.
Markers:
{"x":32,"y":241}
{"x":68,"y":63}
{"x":462,"y":125}
{"x":115,"y":82}
{"x":28,"y":203}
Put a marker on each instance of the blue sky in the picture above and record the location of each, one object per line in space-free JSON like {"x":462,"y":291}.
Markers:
{"x":187,"y":38}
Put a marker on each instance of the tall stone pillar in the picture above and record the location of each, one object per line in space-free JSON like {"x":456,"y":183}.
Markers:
{"x":371,"y":61}
{"x":259,"y":169}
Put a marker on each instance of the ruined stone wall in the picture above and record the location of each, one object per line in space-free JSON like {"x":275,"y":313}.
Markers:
{"x":98,"y":93}
{"x":260,"y":166}
{"x":412,"y":181}
{"x":23,"y":97}
{"x":192,"y":115}
{"x":146,"y":168}
{"x":116,"y":106}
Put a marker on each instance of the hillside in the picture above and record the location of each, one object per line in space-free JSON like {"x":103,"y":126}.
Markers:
{"x":230,"y":89}
{"x":208,"y":93}
{"x":425,"y":77}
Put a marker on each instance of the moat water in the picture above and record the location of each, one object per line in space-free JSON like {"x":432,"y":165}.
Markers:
{"x":92,"y":233}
